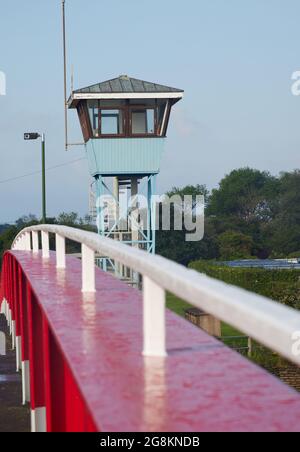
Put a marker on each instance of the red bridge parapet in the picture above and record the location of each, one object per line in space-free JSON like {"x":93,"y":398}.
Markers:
{"x":83,"y":370}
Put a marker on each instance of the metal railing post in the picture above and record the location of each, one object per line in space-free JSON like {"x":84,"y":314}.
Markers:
{"x":60,"y":251}
{"x":27,"y":241}
{"x":2,"y":344}
{"x":154,"y":319}
{"x":249,"y":347}
{"x":45,"y":245}
{"x":22,"y":242}
{"x":35,"y":242}
{"x":88,"y":269}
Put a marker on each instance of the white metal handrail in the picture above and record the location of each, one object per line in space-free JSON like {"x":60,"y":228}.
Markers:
{"x":270,"y":323}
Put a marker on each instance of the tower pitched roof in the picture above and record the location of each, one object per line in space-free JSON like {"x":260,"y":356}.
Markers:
{"x":126,"y":84}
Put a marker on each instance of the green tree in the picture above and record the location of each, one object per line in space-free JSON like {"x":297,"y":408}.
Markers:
{"x":245,"y":195}
{"x":235,"y":245}
{"x":246,"y":202}
{"x":284,"y":231}
{"x":6,"y":239}
{"x":68,"y":219}
{"x":26,"y":220}
{"x":173,"y":245}
{"x":9,"y":232}
{"x":190,"y":190}
{"x":3,"y":227}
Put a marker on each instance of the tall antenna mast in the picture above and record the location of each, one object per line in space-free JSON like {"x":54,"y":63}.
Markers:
{"x":65,"y":72}
{"x":67,"y":144}
{"x":72,"y":79}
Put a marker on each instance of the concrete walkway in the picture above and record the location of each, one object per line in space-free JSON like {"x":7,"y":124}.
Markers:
{"x":13,"y":416}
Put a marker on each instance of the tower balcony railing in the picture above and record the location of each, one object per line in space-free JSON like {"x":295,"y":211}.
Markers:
{"x":262,"y":319}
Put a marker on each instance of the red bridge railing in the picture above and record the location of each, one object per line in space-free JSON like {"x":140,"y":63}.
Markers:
{"x":79,"y":335}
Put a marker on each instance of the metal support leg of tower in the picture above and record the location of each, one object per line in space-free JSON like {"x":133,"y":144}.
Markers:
{"x":152,"y":207}
{"x":116,"y":193}
{"x":135,"y":232}
{"x":100,"y":211}
{"x":139,"y":237}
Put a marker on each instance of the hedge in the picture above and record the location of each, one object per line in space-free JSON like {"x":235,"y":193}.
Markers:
{"x":279,"y":285}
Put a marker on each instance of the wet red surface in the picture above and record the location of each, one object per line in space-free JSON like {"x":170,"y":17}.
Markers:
{"x":200,"y":386}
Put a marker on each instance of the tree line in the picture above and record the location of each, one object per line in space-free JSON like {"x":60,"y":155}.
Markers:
{"x":72,"y":219}
{"x":251,"y":214}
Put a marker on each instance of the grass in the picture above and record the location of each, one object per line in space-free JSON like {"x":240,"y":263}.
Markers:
{"x":177,"y":305}
{"x":260,"y":355}
{"x":228,"y":330}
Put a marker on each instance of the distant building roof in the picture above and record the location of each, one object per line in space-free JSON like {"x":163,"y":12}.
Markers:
{"x":125,"y":84}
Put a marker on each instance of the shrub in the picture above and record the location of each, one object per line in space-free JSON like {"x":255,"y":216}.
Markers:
{"x":279,"y":285}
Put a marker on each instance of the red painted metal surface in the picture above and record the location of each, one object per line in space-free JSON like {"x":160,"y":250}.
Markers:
{"x":86,"y":365}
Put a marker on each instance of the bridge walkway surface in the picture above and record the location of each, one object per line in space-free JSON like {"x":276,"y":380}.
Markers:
{"x":13,"y":416}
{"x":92,"y":376}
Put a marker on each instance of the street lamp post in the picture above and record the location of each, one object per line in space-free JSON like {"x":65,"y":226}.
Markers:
{"x":44,"y":178}
{"x":35,"y":136}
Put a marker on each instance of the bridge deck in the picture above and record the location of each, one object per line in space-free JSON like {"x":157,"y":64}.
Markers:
{"x":201,"y":386}
{"x":13,"y":416}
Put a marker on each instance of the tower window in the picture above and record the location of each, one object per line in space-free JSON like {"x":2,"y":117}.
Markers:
{"x":111,"y":122}
{"x":94,"y":117}
{"x":126,"y":118}
{"x":143,"y":121}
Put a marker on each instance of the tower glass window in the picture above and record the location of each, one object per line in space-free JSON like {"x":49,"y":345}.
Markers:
{"x":143,"y":121}
{"x":124,"y":107}
{"x":111,"y":122}
{"x":94,"y":117}
{"x":114,"y":118}
{"x":161,"y":112}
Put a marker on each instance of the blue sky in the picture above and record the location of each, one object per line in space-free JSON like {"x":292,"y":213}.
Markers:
{"x":233,"y":58}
